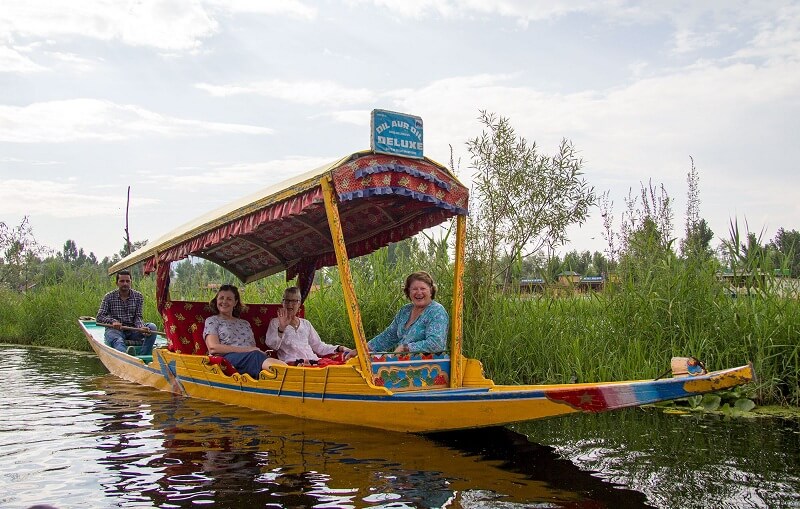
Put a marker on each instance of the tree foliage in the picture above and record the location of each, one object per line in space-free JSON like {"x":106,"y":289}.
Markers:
{"x":20,"y":255}
{"x":522,"y":201}
{"x":785,"y":250}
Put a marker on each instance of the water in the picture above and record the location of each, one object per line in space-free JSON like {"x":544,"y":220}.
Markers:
{"x":72,"y":435}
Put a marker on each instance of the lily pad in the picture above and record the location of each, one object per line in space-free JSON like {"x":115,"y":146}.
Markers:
{"x":744,"y":405}
{"x":711,"y":402}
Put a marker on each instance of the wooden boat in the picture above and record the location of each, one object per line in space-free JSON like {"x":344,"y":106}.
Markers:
{"x":325,"y":217}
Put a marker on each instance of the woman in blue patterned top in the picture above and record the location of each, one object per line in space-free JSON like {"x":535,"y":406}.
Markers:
{"x":420,"y":326}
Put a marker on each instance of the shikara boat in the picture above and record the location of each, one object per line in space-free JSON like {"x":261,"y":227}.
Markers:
{"x":322,"y":218}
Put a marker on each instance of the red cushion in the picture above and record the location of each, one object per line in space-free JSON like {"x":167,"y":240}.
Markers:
{"x":224,"y":364}
{"x":184,"y":322}
{"x":334,"y":359}
{"x":200,"y":347}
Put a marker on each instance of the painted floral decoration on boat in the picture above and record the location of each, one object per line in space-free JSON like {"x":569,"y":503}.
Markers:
{"x":411,"y":371}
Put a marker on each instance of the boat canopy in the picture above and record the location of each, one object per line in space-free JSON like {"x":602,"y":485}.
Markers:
{"x":381,"y":199}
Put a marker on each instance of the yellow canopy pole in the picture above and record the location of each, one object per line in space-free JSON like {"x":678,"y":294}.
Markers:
{"x":457,"y":311}
{"x":343,"y":262}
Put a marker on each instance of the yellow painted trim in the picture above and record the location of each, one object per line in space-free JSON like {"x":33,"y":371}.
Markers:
{"x":348,"y":289}
{"x":457,"y":311}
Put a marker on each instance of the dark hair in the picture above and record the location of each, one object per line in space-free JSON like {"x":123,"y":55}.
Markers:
{"x":419,"y":276}
{"x":237,"y":309}
{"x":125,"y":272}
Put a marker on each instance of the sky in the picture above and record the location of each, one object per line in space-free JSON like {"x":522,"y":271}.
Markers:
{"x":195,"y":103}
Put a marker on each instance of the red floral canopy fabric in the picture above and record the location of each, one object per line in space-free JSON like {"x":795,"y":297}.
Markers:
{"x":382,"y":199}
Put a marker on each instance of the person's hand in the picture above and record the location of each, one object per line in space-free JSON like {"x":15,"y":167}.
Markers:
{"x":283,"y":318}
{"x":117,"y":325}
{"x":145,"y":330}
{"x":350,"y":354}
{"x":401,"y":348}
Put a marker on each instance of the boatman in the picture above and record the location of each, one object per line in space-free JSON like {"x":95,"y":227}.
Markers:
{"x":122,"y":309}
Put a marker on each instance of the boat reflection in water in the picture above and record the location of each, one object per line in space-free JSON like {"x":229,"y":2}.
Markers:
{"x":171,"y":451}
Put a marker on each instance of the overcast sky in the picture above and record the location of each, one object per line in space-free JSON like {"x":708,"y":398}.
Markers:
{"x":196,"y":103}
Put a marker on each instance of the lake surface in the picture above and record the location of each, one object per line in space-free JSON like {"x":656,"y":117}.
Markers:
{"x":71,"y":435}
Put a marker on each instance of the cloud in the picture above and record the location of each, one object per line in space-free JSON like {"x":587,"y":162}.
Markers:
{"x":521,"y":11}
{"x":166,"y":25}
{"x":20,"y":197}
{"x":291,"y":8}
{"x":247,"y":176}
{"x":12,"y":61}
{"x":30,"y":162}
{"x":162,"y":24}
{"x":354,"y":117}
{"x":777,"y":38}
{"x":687,"y":41}
{"x":697,"y":25}
{"x":302,"y":92}
{"x":92,"y":119}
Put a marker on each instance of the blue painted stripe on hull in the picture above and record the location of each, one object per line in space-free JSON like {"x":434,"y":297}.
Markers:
{"x":660,"y":390}
{"x":440,"y":396}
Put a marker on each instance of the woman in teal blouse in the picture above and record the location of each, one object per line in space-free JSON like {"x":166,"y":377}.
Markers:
{"x":420,"y":326}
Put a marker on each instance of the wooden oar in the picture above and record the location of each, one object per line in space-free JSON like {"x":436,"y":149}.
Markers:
{"x":125,"y":327}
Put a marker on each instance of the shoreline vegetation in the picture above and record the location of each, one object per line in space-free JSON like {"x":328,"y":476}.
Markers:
{"x":630,"y":330}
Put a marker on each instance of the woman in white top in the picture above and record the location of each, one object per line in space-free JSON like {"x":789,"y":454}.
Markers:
{"x":294,"y":339}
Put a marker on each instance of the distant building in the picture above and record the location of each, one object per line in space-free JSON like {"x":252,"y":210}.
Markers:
{"x":747,"y":283}
{"x":591,"y":284}
{"x":568,"y":277}
{"x":535,"y":285}
{"x":567,"y":283}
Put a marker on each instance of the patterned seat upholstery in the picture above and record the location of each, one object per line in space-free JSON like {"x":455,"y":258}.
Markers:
{"x":411,"y":371}
{"x":184,"y":321}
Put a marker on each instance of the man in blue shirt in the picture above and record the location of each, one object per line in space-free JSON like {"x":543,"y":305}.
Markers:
{"x":123,"y":308}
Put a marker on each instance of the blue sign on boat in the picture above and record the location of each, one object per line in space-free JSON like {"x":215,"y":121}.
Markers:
{"x":396,"y":134}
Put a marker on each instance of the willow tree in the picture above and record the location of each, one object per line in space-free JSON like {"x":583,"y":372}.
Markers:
{"x":522,"y":202}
